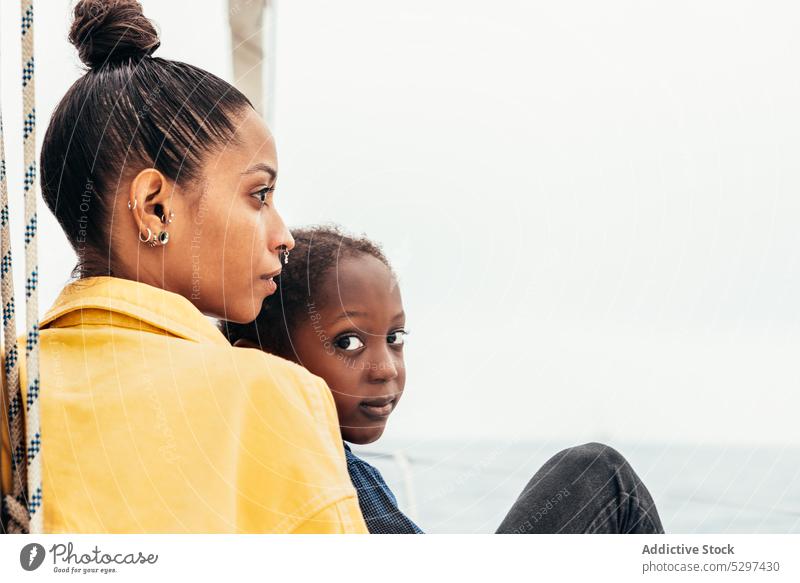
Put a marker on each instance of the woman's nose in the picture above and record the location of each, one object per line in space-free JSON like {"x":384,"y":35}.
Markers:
{"x":284,"y":240}
{"x":289,"y":244}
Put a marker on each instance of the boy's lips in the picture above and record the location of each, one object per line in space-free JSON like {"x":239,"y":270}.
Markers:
{"x":378,"y":408}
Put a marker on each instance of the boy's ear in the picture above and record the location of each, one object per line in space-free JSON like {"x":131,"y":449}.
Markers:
{"x":245,"y":343}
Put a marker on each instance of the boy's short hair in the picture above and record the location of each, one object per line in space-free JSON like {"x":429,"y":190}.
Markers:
{"x":317,"y":250}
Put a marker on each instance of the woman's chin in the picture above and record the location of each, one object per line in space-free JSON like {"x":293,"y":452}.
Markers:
{"x":243,"y":310}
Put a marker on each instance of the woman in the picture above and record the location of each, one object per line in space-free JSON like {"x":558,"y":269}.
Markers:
{"x":162,"y":177}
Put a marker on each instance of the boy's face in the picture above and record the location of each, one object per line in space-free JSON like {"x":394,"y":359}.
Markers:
{"x":352,"y":336}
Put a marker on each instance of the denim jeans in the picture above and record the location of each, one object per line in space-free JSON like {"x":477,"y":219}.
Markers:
{"x":589,"y":488}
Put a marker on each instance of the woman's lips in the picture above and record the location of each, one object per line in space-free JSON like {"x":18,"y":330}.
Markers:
{"x":271,"y":285}
{"x":378,"y":408}
{"x":269,"y":280}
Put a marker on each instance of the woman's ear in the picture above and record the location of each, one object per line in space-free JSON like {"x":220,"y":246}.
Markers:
{"x":150,"y":200}
{"x":245,"y":343}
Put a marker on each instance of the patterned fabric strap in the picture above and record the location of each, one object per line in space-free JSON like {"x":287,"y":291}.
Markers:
{"x":15,"y":512}
{"x":32,"y":426}
{"x":22,"y":507}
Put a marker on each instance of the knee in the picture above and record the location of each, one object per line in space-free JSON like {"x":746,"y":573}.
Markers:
{"x":602,"y":452}
{"x":596,"y":455}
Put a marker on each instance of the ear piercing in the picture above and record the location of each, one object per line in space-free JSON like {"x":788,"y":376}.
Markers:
{"x":164,"y":220}
{"x":161,"y":239}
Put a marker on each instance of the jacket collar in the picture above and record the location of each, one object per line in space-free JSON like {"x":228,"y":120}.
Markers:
{"x":90,"y":300}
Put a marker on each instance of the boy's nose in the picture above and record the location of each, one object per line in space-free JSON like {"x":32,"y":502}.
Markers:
{"x":383,"y":370}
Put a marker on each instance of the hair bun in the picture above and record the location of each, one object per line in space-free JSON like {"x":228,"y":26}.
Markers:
{"x":109,"y":31}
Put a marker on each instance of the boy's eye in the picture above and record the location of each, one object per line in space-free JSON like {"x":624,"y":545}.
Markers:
{"x":349,"y":343}
{"x":397,"y":337}
{"x":263,"y":194}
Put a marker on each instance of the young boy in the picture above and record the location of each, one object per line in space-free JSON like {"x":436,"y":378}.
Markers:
{"x":338,"y":312}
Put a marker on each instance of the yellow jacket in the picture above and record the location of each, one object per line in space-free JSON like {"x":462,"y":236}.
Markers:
{"x":152,"y":422}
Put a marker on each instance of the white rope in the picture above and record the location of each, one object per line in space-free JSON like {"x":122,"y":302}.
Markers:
{"x":32,"y":426}
{"x":14,"y":503}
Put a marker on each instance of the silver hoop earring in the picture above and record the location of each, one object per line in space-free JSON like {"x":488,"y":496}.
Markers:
{"x":130,"y":208}
{"x":149,"y":235}
{"x":163,"y":238}
{"x":167,"y":221}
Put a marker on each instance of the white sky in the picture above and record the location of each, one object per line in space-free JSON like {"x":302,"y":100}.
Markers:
{"x":592,"y":206}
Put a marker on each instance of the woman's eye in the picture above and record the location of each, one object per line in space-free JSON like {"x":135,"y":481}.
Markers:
{"x":263,"y":194}
{"x":349,"y":343}
{"x":397,"y":337}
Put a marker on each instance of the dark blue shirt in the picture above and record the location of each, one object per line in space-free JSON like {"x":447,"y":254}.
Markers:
{"x":378,"y":504}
